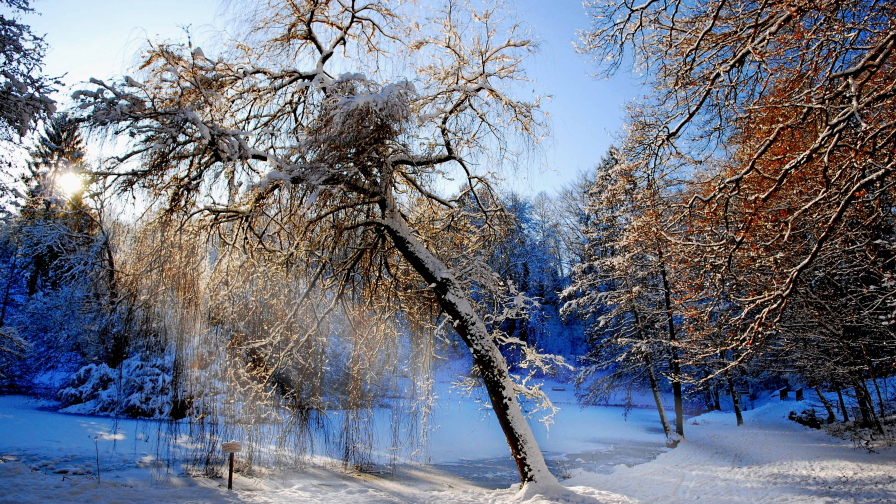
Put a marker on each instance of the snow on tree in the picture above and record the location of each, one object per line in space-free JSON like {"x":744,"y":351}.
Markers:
{"x":60,"y":294}
{"x":839,"y":297}
{"x":780,"y":125}
{"x":24,"y":91}
{"x":12,"y":346}
{"x":276,"y":136}
{"x":719,"y":65}
{"x":574,"y":217}
{"x":620,"y":291}
{"x":529,"y":254}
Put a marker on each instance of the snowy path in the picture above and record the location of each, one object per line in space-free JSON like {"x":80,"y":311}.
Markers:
{"x":770,"y":459}
{"x":47,"y":457}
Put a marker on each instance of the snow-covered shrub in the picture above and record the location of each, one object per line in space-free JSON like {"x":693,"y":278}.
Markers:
{"x":62,"y":330}
{"x":137,"y":388}
{"x":807,"y":418}
{"x":12,"y":348}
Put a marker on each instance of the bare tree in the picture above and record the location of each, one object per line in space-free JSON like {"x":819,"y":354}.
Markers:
{"x":623,"y":289}
{"x":812,"y":85}
{"x":275,"y":137}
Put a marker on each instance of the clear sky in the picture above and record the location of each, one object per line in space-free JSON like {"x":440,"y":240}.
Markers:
{"x":98,"y":38}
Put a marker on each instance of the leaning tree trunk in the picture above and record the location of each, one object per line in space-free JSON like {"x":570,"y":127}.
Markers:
{"x":827,"y":405}
{"x":842,"y":405}
{"x":866,"y":406}
{"x":654,"y":387}
{"x":456,"y":302}
{"x":671,"y":440}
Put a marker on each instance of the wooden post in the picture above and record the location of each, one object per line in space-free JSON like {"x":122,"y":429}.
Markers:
{"x":231,"y":448}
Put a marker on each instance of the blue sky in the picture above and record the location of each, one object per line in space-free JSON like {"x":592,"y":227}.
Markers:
{"x":98,"y":38}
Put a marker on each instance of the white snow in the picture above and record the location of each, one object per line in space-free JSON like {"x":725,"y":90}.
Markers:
{"x":574,"y":430}
{"x":50,"y":457}
{"x":769,"y":459}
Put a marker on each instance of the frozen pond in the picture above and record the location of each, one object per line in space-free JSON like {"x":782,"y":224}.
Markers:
{"x":501,"y":472}
{"x":468,"y":442}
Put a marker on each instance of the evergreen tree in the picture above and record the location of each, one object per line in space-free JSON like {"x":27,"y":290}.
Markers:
{"x":54,"y":218}
{"x":619,"y":290}
{"x":63,"y":261}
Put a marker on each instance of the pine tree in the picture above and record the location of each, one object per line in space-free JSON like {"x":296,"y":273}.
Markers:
{"x":50,"y":217}
{"x":66,"y":256}
{"x":619,"y":290}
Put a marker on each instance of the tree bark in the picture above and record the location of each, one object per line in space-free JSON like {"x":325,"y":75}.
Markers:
{"x":12,"y":270}
{"x":842,"y":405}
{"x":735,"y":399}
{"x":654,"y":387}
{"x":456,"y":302}
{"x":674,"y":368}
{"x":880,"y":399}
{"x":827,"y":405}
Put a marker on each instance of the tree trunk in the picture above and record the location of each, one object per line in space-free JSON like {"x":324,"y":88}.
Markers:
{"x":886,"y":390}
{"x":12,"y":270}
{"x":674,"y":368}
{"x":120,"y":339}
{"x":866,"y":406}
{"x":716,"y":399}
{"x":880,"y":400}
{"x":39,"y":265}
{"x":827,"y":405}
{"x":654,"y":387}
{"x":707,"y":392}
{"x":842,"y":405}
{"x":676,"y":393}
{"x":735,"y":399}
{"x":863,"y":407}
{"x":112,"y":285}
{"x":456,"y":302}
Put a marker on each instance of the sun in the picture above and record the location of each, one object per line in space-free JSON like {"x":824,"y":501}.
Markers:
{"x":70,"y":183}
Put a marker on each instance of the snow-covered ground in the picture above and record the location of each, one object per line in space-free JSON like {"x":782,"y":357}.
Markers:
{"x":769,"y":459}
{"x":51,"y":457}
{"x":593,"y":438}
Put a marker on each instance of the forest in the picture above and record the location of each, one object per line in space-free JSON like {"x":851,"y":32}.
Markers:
{"x":300,"y":238}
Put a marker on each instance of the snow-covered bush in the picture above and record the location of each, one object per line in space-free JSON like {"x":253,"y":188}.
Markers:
{"x":12,"y":348}
{"x":137,"y":388}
